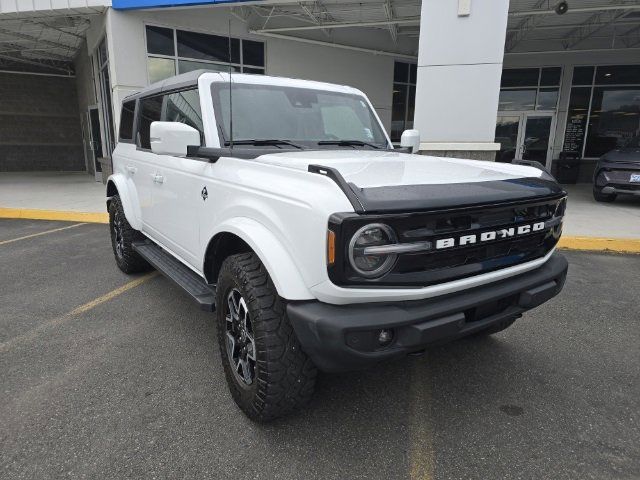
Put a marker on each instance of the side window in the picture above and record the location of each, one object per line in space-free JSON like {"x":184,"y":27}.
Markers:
{"x":184,"y":107}
{"x":126,"y":120}
{"x":150,"y":111}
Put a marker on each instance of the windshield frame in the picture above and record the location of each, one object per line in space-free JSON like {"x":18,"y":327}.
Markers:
{"x":216,"y":87}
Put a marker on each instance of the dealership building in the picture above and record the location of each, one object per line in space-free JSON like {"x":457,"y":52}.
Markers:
{"x":492,"y":80}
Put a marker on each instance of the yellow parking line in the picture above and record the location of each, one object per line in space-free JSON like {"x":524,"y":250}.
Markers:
{"x":31,"y":214}
{"x":4,"y":242}
{"x":595,"y":244}
{"x":57,"y":321}
{"x":420,"y":422}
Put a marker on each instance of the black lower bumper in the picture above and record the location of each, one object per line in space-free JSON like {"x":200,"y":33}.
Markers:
{"x":345,"y":337}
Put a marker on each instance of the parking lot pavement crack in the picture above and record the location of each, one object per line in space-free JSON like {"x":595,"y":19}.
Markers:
{"x":57,"y":321}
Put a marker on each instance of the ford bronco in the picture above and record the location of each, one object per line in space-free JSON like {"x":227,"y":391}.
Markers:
{"x":282,"y":206}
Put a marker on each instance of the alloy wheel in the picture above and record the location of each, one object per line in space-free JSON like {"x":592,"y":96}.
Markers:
{"x":241,"y":346}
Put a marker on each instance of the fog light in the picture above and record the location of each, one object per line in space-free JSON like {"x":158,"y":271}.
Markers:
{"x":385,"y":337}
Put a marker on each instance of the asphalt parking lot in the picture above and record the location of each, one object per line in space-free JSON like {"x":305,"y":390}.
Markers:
{"x":109,"y":376}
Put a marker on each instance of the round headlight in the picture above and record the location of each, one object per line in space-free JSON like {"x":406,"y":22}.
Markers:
{"x":367,"y":264}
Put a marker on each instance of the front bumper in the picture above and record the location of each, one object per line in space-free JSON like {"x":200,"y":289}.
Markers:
{"x":344,"y":337}
{"x":616,"y":179}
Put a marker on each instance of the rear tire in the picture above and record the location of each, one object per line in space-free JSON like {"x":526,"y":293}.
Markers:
{"x":267,"y":372}
{"x":601,"y":197}
{"x":122,"y":237}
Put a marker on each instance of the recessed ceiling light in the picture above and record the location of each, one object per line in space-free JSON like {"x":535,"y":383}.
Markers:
{"x":607,"y":74}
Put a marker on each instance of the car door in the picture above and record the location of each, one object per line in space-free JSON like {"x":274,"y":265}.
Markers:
{"x":178,"y":190}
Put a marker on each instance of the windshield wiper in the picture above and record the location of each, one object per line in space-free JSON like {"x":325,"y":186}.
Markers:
{"x":265,"y":142}
{"x":349,"y":143}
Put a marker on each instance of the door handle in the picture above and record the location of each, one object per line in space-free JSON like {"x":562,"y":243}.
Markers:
{"x":158,"y":178}
{"x":131,"y":169}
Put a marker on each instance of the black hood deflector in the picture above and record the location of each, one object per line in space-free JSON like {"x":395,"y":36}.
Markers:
{"x":416,"y":198}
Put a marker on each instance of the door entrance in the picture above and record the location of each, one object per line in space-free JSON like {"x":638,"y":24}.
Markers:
{"x":525,"y":136}
{"x":95,"y":141}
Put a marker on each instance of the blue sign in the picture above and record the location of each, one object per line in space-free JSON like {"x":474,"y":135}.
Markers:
{"x":137,"y":4}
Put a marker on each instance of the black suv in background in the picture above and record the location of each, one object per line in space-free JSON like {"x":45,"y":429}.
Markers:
{"x":618,"y":172}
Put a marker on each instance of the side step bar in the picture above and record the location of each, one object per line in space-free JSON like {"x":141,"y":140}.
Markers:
{"x":174,"y":270}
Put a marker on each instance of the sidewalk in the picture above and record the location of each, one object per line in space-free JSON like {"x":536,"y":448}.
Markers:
{"x":589,"y":225}
{"x":52,"y":196}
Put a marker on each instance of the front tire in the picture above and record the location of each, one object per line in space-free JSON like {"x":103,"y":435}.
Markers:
{"x":601,"y":197}
{"x":267,"y":372}
{"x":122,"y":237}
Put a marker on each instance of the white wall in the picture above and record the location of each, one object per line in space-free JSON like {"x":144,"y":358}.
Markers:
{"x":371,"y":73}
{"x":459,"y":69}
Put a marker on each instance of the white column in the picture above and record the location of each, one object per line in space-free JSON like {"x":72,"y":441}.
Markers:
{"x":459,"y":70}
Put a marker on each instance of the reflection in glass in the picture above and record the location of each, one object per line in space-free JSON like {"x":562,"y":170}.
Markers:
{"x":399,"y":108}
{"x":547,"y":99}
{"x":185,"y":66}
{"x":614,"y":119}
{"x":536,"y":138}
{"x":160,"y":41}
{"x":507,"y":137}
{"x":517,"y":99}
{"x":160,"y":68}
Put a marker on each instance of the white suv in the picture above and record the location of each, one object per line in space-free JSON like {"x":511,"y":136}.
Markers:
{"x":283,"y":206}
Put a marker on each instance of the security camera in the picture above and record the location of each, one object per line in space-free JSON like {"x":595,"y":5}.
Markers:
{"x":561,"y":8}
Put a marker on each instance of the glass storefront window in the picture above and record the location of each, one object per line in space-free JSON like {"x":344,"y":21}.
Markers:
{"x":602,"y":116}
{"x":618,"y":75}
{"x":517,"y":100}
{"x":536,"y":95}
{"x":614,"y":119}
{"x":547,"y":99}
{"x":199,"y":51}
{"x":185,"y":66}
{"x":404,"y":98}
{"x":160,"y":68}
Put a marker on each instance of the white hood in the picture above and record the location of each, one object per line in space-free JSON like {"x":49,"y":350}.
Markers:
{"x":370,"y":168}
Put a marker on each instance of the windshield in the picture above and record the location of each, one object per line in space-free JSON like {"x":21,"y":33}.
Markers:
{"x":310,"y":118}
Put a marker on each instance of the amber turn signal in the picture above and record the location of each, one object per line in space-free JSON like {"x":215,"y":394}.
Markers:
{"x":331,"y":247}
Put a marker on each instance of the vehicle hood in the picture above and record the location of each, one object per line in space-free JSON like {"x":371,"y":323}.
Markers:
{"x":623,"y":155}
{"x":391,"y":181}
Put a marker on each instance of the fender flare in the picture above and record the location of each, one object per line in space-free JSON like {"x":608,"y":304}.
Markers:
{"x":131,"y":208}
{"x":282,"y":269}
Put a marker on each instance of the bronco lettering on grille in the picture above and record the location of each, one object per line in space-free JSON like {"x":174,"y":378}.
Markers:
{"x":489,"y":236}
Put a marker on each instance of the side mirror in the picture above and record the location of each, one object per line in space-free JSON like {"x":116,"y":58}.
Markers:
{"x":411,"y":140}
{"x":172,"y":138}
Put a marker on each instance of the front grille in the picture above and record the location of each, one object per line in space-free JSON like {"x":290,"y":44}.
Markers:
{"x":447,"y":264}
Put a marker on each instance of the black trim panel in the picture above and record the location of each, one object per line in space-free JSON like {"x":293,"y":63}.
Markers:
{"x":415,"y":198}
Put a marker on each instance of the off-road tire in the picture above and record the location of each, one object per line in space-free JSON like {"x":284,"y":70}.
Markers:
{"x":498,"y":327}
{"x":127,"y":259}
{"x":601,"y":197}
{"x":284,"y":377}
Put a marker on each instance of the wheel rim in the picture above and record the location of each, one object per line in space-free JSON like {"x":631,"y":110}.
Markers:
{"x":118,"y":227}
{"x":241,"y":346}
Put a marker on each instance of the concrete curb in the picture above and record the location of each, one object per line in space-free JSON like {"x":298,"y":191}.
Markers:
{"x":25,"y":213}
{"x":593,"y":244}
{"x":596,"y":244}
